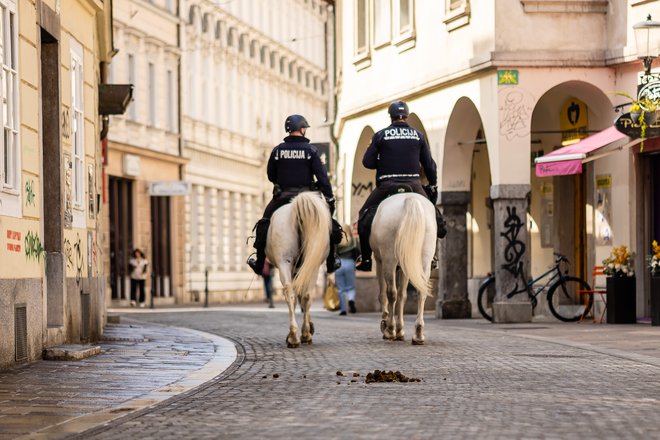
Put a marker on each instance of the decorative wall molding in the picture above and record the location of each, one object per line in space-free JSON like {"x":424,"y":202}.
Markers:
{"x":569,"y":6}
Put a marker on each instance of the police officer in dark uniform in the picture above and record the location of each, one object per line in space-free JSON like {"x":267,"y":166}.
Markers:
{"x":396,"y":153}
{"x":292,"y":166}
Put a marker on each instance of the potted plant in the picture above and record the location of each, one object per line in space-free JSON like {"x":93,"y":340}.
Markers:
{"x":654,"y":267}
{"x":621,"y":285}
{"x":643,"y":112}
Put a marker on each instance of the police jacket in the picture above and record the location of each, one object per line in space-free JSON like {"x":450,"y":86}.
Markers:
{"x":396,"y":153}
{"x":294,"y":163}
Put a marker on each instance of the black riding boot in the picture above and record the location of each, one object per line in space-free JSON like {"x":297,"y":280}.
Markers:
{"x":261,"y":234}
{"x":333,"y":263}
{"x":442,"y":225}
{"x":364,"y":231}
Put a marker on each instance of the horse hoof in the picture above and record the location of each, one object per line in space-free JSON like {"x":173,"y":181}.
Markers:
{"x":399,"y":338}
{"x":292,"y":345}
{"x":383,"y":325}
{"x":418,"y":341}
{"x":306,"y":339}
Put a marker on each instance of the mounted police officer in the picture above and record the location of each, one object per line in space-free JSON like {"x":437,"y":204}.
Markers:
{"x":396,"y":153}
{"x":292,"y":167}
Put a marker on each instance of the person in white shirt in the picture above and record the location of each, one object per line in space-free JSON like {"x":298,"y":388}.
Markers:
{"x":138,"y":267}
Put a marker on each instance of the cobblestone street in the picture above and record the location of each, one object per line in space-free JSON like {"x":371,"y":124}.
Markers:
{"x":477,"y":381}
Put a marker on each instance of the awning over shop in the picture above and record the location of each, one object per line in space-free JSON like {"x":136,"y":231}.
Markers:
{"x":568,"y":160}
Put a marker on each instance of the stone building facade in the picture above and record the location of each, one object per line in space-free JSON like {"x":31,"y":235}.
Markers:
{"x":246,"y":66}
{"x":145,"y":155}
{"x":51,"y":276}
{"x":492,"y":95}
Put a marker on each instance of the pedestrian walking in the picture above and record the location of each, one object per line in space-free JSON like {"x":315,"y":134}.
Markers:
{"x":138,"y":265}
{"x":345,"y":275}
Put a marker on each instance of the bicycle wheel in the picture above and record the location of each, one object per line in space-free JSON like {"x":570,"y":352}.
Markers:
{"x":486,"y":297}
{"x":565,"y":302}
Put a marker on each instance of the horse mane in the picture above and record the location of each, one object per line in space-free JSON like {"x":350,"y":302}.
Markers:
{"x":312,"y":217}
{"x":408,"y":242}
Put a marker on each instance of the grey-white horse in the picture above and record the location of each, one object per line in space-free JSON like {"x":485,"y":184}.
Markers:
{"x":403,"y":236}
{"x":298,"y":243}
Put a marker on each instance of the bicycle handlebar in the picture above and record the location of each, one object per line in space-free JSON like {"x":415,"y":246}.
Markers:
{"x":559,"y":257}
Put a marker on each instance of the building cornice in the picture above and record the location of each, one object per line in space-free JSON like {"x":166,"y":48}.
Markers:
{"x":131,"y":149}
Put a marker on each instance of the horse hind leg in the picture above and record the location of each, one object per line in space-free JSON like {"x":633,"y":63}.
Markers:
{"x":418,"y":337}
{"x":307,"y":329}
{"x":387,"y":325}
{"x":400,"y":305}
{"x":292,"y":340}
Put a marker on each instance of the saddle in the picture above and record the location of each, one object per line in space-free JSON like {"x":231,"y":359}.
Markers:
{"x":399,"y":188}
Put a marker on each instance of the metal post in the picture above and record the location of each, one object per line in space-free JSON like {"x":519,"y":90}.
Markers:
{"x":206,"y":287}
{"x":153,"y":289}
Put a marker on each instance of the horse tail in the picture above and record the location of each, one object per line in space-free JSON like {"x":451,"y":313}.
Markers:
{"x":408,"y":243}
{"x":311,"y":215}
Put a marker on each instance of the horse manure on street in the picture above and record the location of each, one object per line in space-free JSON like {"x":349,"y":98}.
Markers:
{"x":339,"y":373}
{"x":389,"y":376}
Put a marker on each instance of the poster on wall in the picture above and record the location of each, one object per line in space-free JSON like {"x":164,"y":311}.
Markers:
{"x":547,"y":215}
{"x":68,"y":194}
{"x":603,"y":211}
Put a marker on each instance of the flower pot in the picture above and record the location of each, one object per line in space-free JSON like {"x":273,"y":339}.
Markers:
{"x":621,"y":300}
{"x":650,"y":118}
{"x":634,"y":116}
{"x":655,"y":300}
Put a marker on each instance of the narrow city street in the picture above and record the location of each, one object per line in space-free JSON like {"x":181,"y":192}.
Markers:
{"x":478,"y":380}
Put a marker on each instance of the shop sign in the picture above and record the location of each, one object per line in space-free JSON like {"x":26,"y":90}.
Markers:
{"x":627,"y":126}
{"x":573,"y":121}
{"x":169,"y":188}
{"x":648,"y":85}
{"x":507,"y":77}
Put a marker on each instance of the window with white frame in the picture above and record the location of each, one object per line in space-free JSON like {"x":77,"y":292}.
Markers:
{"x":152,"y":94}
{"x":10,"y":148}
{"x":457,"y":13}
{"x":404,"y":15}
{"x":361,"y":27}
{"x":170,"y":101}
{"x":77,"y":125}
{"x":132,"y":110}
{"x":382,"y":22}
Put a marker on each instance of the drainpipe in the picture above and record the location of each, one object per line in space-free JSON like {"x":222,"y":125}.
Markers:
{"x":334,"y":139}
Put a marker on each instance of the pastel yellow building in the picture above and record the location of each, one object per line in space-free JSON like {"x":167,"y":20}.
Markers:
{"x":52,"y":58}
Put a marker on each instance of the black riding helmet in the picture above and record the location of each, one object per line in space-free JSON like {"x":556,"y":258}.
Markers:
{"x":398,"y":110}
{"x":295,"y":123}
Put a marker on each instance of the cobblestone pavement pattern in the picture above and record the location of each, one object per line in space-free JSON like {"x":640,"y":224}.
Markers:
{"x":475,"y":384}
{"x":139,"y":366}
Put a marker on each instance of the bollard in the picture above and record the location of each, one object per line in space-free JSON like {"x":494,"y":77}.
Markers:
{"x":153,"y":290}
{"x":206,"y":287}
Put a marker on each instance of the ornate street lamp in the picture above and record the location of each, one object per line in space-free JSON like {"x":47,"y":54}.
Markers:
{"x":647,"y":38}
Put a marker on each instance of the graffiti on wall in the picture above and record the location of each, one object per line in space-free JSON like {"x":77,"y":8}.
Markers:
{"x":13,"y":241}
{"x":514,"y":248}
{"x":359,"y":188}
{"x":68,"y":253}
{"x":516,"y":106}
{"x":33,"y":246}
{"x":68,"y":191}
{"x":29,"y":192}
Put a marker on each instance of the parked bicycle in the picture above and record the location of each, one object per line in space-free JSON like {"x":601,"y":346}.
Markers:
{"x":563,"y":293}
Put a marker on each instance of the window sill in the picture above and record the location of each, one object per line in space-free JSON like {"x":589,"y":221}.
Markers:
{"x":362,"y":60}
{"x":566,"y":6}
{"x":405,"y":41}
{"x":10,"y":203}
{"x":457,"y":18}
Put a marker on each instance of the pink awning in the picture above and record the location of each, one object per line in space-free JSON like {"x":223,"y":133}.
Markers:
{"x":568,"y":160}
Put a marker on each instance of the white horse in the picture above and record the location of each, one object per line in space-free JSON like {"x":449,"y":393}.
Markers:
{"x":403,"y":235}
{"x":298,"y":243}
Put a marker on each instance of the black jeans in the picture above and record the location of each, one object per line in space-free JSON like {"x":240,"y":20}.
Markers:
{"x":137,"y":284}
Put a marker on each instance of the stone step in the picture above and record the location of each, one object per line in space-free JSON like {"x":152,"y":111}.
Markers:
{"x":71,"y":352}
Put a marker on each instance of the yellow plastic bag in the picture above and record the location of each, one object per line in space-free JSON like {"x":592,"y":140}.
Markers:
{"x":331,"y":297}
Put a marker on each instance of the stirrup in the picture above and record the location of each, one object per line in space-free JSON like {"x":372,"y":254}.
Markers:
{"x":253,"y":262}
{"x":363,"y":265}
{"x":336,"y":264}
{"x":434,"y":262}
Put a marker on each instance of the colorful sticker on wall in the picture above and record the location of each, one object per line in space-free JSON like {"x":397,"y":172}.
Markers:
{"x":13,"y":241}
{"x":91,"y":190}
{"x":33,"y":246}
{"x":507,"y":77}
{"x":68,"y":196}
